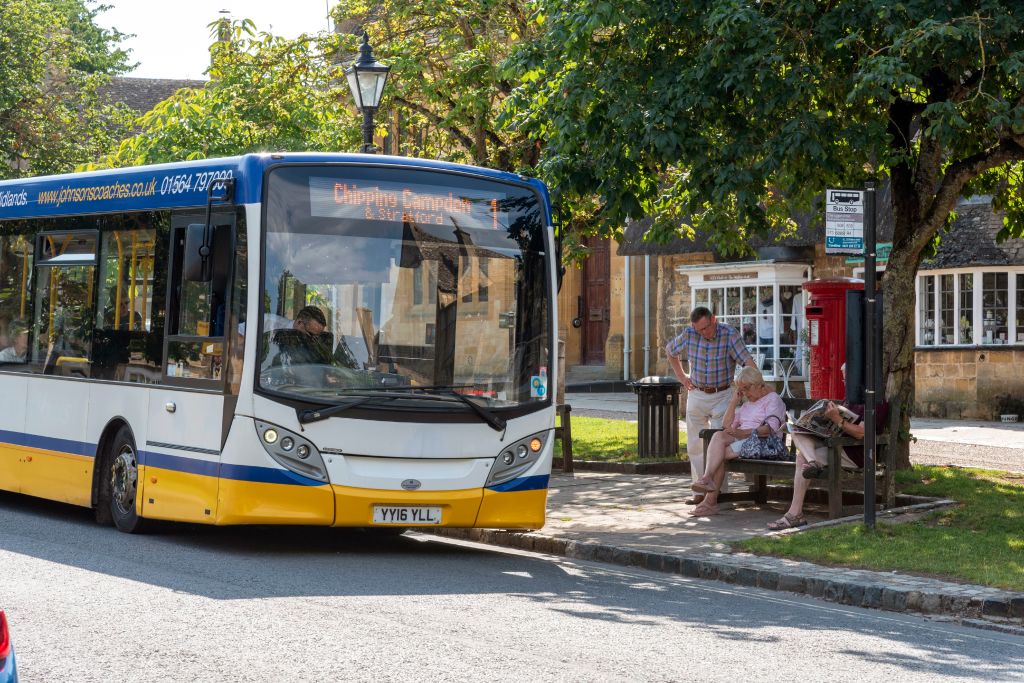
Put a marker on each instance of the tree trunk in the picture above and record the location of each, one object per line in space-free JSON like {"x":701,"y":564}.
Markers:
{"x":898,"y":350}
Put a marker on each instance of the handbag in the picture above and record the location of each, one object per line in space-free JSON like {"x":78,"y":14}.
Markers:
{"x":769,"y":447}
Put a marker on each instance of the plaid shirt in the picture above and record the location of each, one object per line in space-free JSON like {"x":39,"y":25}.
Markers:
{"x":712,"y":362}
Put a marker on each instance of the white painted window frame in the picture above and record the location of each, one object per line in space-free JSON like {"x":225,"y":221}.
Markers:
{"x":767,"y":274}
{"x":977,"y":314}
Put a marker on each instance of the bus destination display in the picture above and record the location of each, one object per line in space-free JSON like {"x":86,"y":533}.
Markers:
{"x":406,"y":202}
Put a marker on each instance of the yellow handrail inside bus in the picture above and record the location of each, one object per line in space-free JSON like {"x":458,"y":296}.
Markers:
{"x":117,"y":296}
{"x":24,"y":279}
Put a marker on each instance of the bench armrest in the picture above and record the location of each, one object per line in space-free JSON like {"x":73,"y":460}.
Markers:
{"x":708,"y":433}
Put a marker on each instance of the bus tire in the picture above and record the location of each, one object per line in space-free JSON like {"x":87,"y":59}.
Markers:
{"x":122,"y":466}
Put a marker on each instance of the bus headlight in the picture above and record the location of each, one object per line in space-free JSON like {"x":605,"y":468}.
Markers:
{"x":292,"y":451}
{"x":517,"y":459}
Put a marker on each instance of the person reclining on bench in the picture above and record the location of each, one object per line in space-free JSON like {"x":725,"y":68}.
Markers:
{"x":763,"y":411}
{"x":812,"y":456}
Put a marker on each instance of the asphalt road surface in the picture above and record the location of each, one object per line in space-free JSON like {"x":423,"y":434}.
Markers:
{"x":191,"y":603}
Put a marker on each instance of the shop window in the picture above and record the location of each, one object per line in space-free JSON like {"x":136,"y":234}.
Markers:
{"x":767,"y":310}
{"x":976,"y":307}
{"x":1019,"y":327}
{"x":994,"y":305}
{"x":966,"y":312}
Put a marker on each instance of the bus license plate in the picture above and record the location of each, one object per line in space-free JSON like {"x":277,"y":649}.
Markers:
{"x":390,"y":514}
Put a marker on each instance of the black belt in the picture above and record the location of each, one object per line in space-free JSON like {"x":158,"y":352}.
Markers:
{"x":713,"y":390}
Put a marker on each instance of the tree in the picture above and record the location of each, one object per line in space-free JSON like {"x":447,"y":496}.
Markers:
{"x":446,"y":87}
{"x":55,"y":60}
{"x":265,"y":94}
{"x":448,"y":82}
{"x":728,"y":116}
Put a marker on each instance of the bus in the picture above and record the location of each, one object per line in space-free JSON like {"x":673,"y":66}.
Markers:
{"x":316,"y":339}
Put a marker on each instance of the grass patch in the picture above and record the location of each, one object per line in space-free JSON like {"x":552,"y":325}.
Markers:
{"x":595,"y":438}
{"x":981,"y":541}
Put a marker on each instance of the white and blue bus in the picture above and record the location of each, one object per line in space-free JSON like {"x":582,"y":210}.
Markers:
{"x":322,"y":339}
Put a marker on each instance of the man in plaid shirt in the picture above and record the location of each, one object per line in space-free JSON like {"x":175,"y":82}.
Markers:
{"x":713,"y":350}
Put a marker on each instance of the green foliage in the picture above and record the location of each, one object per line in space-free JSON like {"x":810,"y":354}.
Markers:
{"x":55,"y":61}
{"x":265,"y":94}
{"x":981,"y":541}
{"x":448,"y":80}
{"x":727,"y":117}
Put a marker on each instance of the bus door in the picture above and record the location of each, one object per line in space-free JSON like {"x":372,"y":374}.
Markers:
{"x":189,"y":417}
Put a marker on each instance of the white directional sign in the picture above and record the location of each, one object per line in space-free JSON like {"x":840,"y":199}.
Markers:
{"x":844,"y":221}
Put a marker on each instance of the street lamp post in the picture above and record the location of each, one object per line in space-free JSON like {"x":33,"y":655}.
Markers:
{"x":366,"y":78}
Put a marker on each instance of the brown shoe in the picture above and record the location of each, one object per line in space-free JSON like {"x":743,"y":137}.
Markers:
{"x":694,"y":500}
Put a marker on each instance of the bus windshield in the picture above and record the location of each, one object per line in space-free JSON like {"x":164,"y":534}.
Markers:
{"x":397,"y":280}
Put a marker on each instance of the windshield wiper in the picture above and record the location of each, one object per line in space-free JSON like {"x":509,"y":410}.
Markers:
{"x":394,"y":392}
{"x":317,"y":414}
{"x":495,"y":422}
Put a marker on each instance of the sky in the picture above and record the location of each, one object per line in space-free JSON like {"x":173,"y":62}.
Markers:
{"x":172,"y":39}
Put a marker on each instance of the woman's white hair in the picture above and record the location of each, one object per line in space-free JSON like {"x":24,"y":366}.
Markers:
{"x":751,"y":376}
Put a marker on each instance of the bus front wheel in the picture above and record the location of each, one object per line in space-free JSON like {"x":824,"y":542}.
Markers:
{"x":123,"y":474}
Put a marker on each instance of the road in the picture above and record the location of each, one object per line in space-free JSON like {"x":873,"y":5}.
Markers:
{"x":191,"y":603}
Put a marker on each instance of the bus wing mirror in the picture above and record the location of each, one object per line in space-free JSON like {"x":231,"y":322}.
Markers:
{"x":198,"y":252}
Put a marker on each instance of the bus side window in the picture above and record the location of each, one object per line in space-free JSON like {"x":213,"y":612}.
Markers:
{"x":65,"y":276}
{"x":128,"y":341}
{"x":202,"y":305}
{"x":198,"y":309}
{"x":16,"y":257}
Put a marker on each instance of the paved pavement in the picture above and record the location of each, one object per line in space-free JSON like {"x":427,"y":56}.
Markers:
{"x":641,"y":520}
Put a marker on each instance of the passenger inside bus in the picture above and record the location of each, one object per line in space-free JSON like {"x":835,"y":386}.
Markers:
{"x":126,"y":318}
{"x":17,"y":334}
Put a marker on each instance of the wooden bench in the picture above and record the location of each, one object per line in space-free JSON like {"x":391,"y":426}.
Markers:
{"x":762,"y":470}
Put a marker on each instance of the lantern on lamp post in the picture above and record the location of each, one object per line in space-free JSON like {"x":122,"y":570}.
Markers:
{"x":366,"y":78}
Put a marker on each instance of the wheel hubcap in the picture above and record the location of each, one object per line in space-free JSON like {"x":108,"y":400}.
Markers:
{"x":124,"y":477}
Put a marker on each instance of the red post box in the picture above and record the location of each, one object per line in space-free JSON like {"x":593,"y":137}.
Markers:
{"x":826,"y":325}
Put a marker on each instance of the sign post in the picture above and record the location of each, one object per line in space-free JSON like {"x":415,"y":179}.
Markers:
{"x":850,"y":229}
{"x":869,"y":354}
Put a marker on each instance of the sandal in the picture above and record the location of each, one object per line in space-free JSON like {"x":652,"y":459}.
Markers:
{"x":815,"y":471}
{"x":704,"y":510}
{"x":703,"y":485}
{"x":787,"y":521}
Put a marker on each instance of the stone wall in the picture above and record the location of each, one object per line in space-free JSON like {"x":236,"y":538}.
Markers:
{"x":966,"y":383}
{"x":830,"y":266}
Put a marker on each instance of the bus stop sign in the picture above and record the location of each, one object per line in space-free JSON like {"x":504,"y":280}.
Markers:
{"x":844,"y":221}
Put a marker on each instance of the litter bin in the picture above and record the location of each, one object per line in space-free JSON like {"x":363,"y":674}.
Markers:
{"x":657,"y":416}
